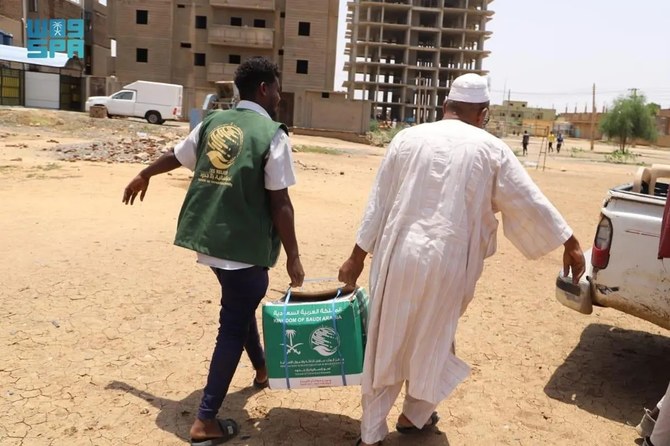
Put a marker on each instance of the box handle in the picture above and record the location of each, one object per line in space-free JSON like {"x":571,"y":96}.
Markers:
{"x":288,"y":297}
{"x":339,"y":351}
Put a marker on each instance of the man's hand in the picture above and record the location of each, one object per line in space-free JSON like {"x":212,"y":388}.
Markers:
{"x":351,"y":270}
{"x":138,"y":185}
{"x":573,"y":260}
{"x":295,"y":271}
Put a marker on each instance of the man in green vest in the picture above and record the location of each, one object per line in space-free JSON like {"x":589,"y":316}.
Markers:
{"x":236,"y":213}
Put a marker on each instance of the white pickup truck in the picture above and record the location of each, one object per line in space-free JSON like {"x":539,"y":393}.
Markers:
{"x":624,"y":271}
{"x":154,"y":101}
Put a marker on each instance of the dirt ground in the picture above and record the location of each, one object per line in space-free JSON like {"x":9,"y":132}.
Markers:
{"x":106,"y":328}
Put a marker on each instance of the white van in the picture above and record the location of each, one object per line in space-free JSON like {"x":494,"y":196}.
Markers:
{"x":154,"y":101}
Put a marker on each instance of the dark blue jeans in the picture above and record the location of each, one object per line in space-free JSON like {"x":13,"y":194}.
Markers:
{"x":241,"y":292}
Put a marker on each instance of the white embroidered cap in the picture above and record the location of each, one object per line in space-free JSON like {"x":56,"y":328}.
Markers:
{"x":471,"y":88}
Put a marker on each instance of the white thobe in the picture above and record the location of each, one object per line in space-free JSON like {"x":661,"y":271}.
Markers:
{"x":660,"y":436}
{"x":430,"y":223}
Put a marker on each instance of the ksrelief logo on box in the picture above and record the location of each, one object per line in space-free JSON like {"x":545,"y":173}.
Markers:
{"x":324,"y":340}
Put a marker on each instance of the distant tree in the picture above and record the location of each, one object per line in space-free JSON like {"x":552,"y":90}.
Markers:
{"x":629,"y":118}
{"x":654,"y":108}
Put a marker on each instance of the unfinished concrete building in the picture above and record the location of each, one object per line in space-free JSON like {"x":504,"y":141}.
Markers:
{"x":197,"y":42}
{"x":404,"y":54}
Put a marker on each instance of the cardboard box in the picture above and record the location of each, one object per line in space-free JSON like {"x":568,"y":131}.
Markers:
{"x":315,"y":342}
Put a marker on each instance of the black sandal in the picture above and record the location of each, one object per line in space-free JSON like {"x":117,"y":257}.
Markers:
{"x":229,"y":429}
{"x":434,"y":418}
{"x":262,"y":385}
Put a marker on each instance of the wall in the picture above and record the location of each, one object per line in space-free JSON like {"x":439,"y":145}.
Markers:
{"x":156,"y":37}
{"x":663,"y":141}
{"x":333,"y":113}
{"x":318,"y":48}
{"x":581,"y":124}
{"x":100,"y":25}
{"x":344,"y":136}
{"x":100,"y":58}
{"x":11,"y":9}
{"x":95,"y":86}
{"x":222,"y":16}
{"x":14,"y":27}
{"x":536,"y":127}
{"x":10,"y":19}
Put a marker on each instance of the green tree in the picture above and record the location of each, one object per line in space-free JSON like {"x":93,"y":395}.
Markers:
{"x":654,"y":108}
{"x":630,"y":118}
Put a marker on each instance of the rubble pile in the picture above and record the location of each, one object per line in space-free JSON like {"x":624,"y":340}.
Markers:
{"x":141,"y":148}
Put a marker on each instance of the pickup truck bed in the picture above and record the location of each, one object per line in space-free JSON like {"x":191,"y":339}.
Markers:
{"x":624,"y":271}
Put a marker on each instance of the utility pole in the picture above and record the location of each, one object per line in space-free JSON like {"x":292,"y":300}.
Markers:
{"x":634,"y":90}
{"x":420,"y":116}
{"x":509,"y":95}
{"x":593,"y":118}
{"x":504,"y":90}
{"x":24,"y":23}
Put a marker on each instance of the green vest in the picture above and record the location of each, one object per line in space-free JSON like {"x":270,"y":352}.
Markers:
{"x":226,"y":212}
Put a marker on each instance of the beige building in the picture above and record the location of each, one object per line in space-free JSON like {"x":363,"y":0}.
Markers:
{"x":404,"y":54}
{"x":58,"y":83}
{"x":195,"y":43}
{"x":11,"y":13}
{"x":580,"y":124}
{"x":513,"y":117}
{"x":97,"y":44}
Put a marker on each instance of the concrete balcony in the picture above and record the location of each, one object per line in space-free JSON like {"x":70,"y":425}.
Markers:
{"x":221,"y":72}
{"x":241,"y":36}
{"x":268,"y":5}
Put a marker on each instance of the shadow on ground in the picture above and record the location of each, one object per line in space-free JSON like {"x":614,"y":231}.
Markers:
{"x":613,"y":373}
{"x":176,"y":417}
{"x":297,"y":427}
{"x":279,"y":427}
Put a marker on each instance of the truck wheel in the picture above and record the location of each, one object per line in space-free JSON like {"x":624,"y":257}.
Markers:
{"x":153,"y":117}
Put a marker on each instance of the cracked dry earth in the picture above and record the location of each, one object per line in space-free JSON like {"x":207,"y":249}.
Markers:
{"x":106,"y":328}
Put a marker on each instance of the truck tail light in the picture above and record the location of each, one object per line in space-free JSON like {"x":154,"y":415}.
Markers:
{"x":600,"y":254}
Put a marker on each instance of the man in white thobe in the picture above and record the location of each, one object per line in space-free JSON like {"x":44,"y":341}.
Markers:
{"x":659,"y":427}
{"x":430,"y":223}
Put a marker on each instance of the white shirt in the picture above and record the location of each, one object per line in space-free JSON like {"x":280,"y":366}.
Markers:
{"x":279,"y":173}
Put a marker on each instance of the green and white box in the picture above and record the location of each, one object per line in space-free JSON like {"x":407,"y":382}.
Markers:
{"x":315,"y":341}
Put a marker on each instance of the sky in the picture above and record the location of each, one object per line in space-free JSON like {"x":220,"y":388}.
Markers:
{"x":551,"y":52}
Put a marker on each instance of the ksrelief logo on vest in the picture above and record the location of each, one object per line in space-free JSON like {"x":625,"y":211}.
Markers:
{"x":224,"y":145}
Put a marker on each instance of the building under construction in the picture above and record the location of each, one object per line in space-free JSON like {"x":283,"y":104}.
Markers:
{"x":404,"y":54}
